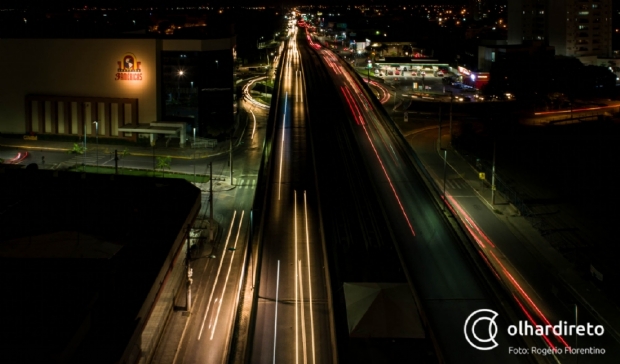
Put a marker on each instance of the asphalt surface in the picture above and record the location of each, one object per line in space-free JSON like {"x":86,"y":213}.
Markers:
{"x":292,"y":315}
{"x":442,"y":272}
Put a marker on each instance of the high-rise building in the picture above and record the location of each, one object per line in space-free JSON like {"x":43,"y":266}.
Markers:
{"x":574,"y":27}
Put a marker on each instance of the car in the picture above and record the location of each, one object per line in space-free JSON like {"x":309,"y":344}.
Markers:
{"x":422,"y":73}
{"x":414,"y":73}
{"x":397,"y":72}
{"x":439,"y":74}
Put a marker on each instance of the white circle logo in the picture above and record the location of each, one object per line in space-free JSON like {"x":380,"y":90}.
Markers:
{"x":470,"y":329}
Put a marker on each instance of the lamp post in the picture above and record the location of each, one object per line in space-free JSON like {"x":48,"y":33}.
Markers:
{"x":369,"y":66}
{"x":97,"y":137}
{"x":179,"y":85}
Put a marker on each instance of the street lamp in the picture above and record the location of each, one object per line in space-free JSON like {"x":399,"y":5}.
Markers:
{"x":369,"y":66}
{"x":179,"y":85}
{"x":194,"y":147}
{"x":97,"y":137}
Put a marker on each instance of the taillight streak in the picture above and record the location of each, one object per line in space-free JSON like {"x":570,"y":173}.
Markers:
{"x":402,"y":208}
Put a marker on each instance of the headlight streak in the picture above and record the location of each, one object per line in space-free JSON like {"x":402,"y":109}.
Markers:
{"x":296,"y":284}
{"x":253,"y":128}
{"x":275,"y":321}
{"x":282,"y":145}
{"x":217,"y":276}
{"x":309,"y":279}
{"x":232,"y":257}
{"x":303,"y":317}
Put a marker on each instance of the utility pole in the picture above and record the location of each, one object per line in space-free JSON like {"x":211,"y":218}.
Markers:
{"x":211,"y":202}
{"x":189,"y":271}
{"x":493,"y":177}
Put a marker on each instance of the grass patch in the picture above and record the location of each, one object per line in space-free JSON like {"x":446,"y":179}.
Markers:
{"x":139,"y":173}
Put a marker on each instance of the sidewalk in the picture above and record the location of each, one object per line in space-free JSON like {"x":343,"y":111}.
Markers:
{"x":545,"y":254}
{"x":160,"y":150}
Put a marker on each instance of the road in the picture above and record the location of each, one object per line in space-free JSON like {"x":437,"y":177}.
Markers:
{"x":292,"y":316}
{"x":535,"y":288}
{"x":447,"y":281}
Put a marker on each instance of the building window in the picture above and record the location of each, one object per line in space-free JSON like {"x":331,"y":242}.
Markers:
{"x":583,"y":27}
{"x":584,"y":12}
{"x":541,"y":12}
{"x":594,"y":6}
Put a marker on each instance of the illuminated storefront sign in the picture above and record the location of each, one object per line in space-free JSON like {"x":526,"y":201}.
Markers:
{"x":464,"y":71}
{"x":129,"y":69}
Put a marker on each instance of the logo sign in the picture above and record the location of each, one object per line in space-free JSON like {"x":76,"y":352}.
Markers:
{"x":486,"y":319}
{"x":128,"y":69}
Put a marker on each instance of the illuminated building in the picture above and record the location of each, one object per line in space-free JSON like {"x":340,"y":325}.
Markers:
{"x":134,"y":87}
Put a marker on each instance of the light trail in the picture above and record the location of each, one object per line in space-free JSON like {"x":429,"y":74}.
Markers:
{"x":254,"y":128}
{"x":275,"y":321}
{"x":402,"y":208}
{"x":232,"y":257}
{"x":527,"y":297}
{"x":296,"y":287}
{"x":309,"y":280}
{"x":282,"y":146}
{"x":303,"y":317}
{"x":217,"y":276}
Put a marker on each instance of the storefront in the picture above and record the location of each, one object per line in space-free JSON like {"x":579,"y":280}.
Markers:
{"x":474,"y":79}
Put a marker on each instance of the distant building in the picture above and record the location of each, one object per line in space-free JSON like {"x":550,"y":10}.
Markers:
{"x":573,"y":27}
{"x":134,"y":86}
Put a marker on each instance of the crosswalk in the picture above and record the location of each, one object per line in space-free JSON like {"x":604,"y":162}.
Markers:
{"x":247,"y":183}
{"x":456,"y":183}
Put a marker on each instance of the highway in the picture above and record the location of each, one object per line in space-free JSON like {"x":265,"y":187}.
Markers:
{"x":450,"y":286}
{"x":292,"y":314}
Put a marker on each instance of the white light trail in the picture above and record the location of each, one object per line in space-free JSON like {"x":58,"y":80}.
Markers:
{"x":232,"y":257}
{"x":296,"y":286}
{"x":254,"y":128}
{"x":303,"y":317}
{"x":217,"y":276}
{"x":282,"y":145}
{"x":275,"y":323}
{"x":309,"y":280}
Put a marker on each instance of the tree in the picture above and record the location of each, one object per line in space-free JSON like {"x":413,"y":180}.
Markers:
{"x":163,"y":163}
{"x":77,"y":149}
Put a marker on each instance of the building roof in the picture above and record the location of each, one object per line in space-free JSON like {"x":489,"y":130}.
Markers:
{"x":78,"y":255}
